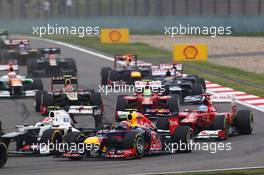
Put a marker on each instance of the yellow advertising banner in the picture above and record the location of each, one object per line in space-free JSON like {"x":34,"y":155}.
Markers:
{"x":120,"y":35}
{"x":190,"y":52}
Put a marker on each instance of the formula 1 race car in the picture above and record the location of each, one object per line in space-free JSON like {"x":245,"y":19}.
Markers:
{"x":50,"y":63}
{"x":148,"y":97}
{"x":132,"y":138}
{"x":3,"y":149}
{"x":125,"y":71}
{"x":38,"y":138}
{"x":14,"y":85}
{"x":208,"y":123}
{"x":176,"y":83}
{"x":70,"y":96}
{"x":17,"y":50}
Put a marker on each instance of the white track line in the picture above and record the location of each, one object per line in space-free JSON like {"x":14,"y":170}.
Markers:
{"x":201,"y":171}
{"x":112,"y":59}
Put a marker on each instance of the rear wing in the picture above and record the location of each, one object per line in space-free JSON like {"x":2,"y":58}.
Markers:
{"x":223,"y":98}
{"x":8,"y":67}
{"x":215,"y":98}
{"x":65,"y":79}
{"x":150,"y":84}
{"x":84,"y":110}
{"x":78,"y":110}
{"x":177,"y":67}
{"x":49,"y":50}
{"x":162,"y":69}
{"x":17,"y":41}
{"x":123,"y":59}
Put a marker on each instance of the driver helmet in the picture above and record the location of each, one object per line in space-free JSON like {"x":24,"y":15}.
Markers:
{"x":124,"y":125}
{"x":202,"y":108}
{"x":147,"y":92}
{"x":12,"y":74}
{"x":51,"y":56}
{"x":47,"y":121}
{"x":168,"y":73}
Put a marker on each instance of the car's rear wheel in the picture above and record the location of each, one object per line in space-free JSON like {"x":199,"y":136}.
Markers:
{"x":197,"y":89}
{"x":105,"y":75}
{"x":173,"y":104}
{"x":202,"y":82}
{"x":121,"y":104}
{"x":244,"y":121}
{"x":3,"y":155}
{"x":39,"y":100}
{"x":38,"y":84}
{"x":74,"y":138}
{"x":114,"y":75}
{"x":97,"y":101}
{"x":48,"y":99}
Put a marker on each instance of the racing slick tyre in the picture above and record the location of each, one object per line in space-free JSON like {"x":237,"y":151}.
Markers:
{"x":97,"y":101}
{"x":197,"y":89}
{"x":163,"y":123}
{"x":121,"y":104}
{"x":52,"y":136}
{"x":39,"y":100}
{"x":70,"y":66}
{"x":74,"y":138}
{"x":221,"y":123}
{"x":105,"y":75}
{"x":114,"y":75}
{"x":38,"y":84}
{"x":202,"y":82}
{"x":3,"y":154}
{"x":33,"y":64}
{"x":48,"y":100}
{"x":244,"y":121}
{"x":135,"y":140}
{"x":173,"y":104}
{"x":183,"y":137}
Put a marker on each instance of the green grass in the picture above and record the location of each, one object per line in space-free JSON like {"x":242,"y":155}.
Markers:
{"x":150,"y":54}
{"x":142,"y":50}
{"x":229,"y":172}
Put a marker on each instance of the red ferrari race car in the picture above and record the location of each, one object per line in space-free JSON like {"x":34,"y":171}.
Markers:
{"x":148,"y":97}
{"x":208,"y":123}
{"x":132,"y":138}
{"x":126,"y":71}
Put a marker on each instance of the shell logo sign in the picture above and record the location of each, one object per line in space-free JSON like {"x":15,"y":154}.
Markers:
{"x":114,"y":35}
{"x":190,"y":52}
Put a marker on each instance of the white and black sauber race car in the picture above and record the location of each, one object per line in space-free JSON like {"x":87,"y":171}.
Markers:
{"x":45,"y":137}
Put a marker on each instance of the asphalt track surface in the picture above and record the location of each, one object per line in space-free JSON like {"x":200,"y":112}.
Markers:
{"x":246,"y":150}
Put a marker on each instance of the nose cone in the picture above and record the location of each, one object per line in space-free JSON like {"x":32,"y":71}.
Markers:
{"x":92,"y":140}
